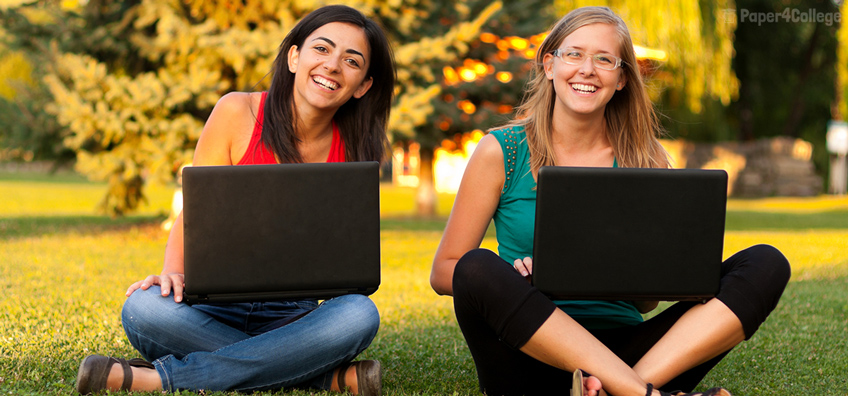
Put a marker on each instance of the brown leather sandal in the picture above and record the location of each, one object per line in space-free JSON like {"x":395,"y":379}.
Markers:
{"x":369,"y":377}
{"x":709,"y":392}
{"x":94,"y":370}
{"x":577,"y":382}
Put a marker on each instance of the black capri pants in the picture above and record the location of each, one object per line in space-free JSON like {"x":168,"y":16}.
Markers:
{"x":498,"y":311}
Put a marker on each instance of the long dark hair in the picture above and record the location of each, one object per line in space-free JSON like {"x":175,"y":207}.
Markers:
{"x":362,"y":122}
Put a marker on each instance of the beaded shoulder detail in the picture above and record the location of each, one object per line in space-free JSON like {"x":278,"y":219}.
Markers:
{"x":510,"y":150}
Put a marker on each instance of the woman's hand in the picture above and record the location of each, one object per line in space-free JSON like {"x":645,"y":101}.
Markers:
{"x":524,"y":267}
{"x":166,"y":282}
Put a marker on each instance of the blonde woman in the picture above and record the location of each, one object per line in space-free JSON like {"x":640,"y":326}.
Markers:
{"x":585,"y":106}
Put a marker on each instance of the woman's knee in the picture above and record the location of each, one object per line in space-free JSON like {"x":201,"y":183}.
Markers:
{"x":472,"y":267}
{"x":356,"y":310}
{"x":149,"y":309}
{"x":770,"y":263}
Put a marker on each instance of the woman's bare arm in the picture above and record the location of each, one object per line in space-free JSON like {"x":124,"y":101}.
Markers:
{"x":229,"y":122}
{"x":475,"y":204}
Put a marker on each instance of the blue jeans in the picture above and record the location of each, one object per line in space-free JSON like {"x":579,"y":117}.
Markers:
{"x":247,"y":347}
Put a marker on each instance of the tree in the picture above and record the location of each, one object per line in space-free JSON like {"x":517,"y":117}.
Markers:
{"x":697,"y":35}
{"x":841,"y":106}
{"x":787,"y":70}
{"x":28,"y":133}
{"x":478,"y":89}
{"x":696,"y":74}
{"x":131,"y":82}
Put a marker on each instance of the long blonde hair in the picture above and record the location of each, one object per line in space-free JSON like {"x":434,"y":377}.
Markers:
{"x":631,"y":123}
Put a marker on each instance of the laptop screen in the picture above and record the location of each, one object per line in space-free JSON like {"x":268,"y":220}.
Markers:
{"x":272,"y":232}
{"x":629,"y":234}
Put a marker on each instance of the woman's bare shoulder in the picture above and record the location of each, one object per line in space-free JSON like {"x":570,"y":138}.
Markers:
{"x":228,"y":130}
{"x":489,"y":150}
{"x":238,"y":104}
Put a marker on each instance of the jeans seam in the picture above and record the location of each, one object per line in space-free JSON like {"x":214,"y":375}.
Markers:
{"x":166,"y":379}
{"x":294,"y":380}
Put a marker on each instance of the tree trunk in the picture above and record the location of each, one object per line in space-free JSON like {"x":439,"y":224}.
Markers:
{"x":796,"y":109}
{"x":425,"y":199}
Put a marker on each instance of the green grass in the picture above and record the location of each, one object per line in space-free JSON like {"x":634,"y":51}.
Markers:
{"x":64,"y":270}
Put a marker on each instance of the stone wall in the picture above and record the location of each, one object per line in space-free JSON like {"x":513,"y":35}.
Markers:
{"x":779,"y":166}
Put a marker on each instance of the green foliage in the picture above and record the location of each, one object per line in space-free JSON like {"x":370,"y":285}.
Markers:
{"x":697,"y":36}
{"x":27,"y":133}
{"x":132,"y":82}
{"x":425,"y":51}
{"x":126,"y":86}
{"x":64,"y":273}
{"x":487,"y":101}
{"x":788,"y":71}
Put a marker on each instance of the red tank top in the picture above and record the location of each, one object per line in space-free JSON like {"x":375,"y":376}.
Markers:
{"x":258,"y":153}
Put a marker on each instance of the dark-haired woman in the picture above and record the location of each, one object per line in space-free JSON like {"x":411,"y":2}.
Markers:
{"x":329,"y":101}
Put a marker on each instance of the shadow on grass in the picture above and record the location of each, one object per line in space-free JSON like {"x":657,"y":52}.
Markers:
{"x":424,"y":360}
{"x":400,"y":223}
{"x":736,"y":221}
{"x":750,"y":220}
{"x":27,"y":226}
{"x":63,"y":177}
{"x":31,"y":226}
{"x":397,"y":223}
{"x":800,"y":349}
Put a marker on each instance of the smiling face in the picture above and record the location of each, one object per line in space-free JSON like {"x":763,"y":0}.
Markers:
{"x":330,"y":68}
{"x":583,"y":89}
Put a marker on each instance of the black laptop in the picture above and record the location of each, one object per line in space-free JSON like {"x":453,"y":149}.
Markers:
{"x":629,"y":234}
{"x":280,"y":232}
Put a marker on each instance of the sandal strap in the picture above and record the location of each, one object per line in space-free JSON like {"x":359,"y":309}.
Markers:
{"x":710,"y":392}
{"x":673,"y":393}
{"x":128,"y":375}
{"x":127,"y":365}
{"x":139,"y":362}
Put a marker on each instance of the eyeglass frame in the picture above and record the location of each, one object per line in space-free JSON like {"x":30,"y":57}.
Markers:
{"x":560,"y":53}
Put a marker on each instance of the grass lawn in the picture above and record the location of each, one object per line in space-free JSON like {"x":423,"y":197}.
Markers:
{"x":64,"y":270}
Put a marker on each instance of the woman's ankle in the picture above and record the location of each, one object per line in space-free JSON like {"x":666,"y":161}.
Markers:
{"x":144,"y":379}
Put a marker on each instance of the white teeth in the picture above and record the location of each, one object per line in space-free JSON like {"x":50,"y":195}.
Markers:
{"x":325,"y":83}
{"x":584,"y":87}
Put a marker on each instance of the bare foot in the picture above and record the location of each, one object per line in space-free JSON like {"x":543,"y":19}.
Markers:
{"x":592,"y":387}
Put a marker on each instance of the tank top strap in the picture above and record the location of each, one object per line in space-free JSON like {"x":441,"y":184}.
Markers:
{"x":257,"y":152}
{"x":337,"y":147}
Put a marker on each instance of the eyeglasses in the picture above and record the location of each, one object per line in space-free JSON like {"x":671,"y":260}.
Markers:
{"x":602,"y":60}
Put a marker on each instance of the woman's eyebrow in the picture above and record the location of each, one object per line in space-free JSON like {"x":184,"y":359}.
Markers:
{"x":577,"y":47}
{"x":333,"y":44}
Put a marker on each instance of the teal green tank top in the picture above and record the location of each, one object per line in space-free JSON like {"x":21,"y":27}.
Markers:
{"x":515,"y":218}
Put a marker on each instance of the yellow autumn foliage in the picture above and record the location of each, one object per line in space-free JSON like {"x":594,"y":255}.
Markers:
{"x":412,"y":109}
{"x":130,"y":128}
{"x":842,"y":64}
{"x":126,"y":128}
{"x":15,"y":71}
